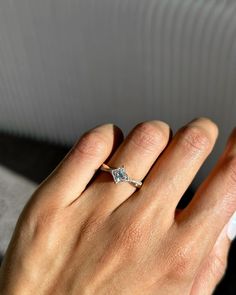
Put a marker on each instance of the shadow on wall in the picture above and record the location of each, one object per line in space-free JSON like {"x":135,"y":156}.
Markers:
{"x":30,"y":158}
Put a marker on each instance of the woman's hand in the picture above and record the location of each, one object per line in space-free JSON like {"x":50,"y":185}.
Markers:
{"x":80,"y":233}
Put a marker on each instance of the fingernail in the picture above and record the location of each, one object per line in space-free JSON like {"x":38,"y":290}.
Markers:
{"x":231,"y":231}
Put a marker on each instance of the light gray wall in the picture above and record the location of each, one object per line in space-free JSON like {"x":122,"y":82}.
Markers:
{"x":66,"y":66}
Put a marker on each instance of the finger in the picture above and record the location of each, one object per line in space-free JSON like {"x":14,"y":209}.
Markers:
{"x":175,"y":169}
{"x":213,"y":266}
{"x":137,"y":153}
{"x":69,"y":179}
{"x":214,"y":201}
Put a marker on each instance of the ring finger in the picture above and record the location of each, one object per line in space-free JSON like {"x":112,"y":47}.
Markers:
{"x":137,"y":153}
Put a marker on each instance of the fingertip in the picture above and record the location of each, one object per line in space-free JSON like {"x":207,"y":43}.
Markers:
{"x":109,"y":127}
{"x":208,"y":124}
{"x":111,"y":131}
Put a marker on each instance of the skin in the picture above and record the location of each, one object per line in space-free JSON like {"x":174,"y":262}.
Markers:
{"x":80,"y":233}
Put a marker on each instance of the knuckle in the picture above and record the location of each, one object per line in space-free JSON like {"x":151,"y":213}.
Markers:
{"x":130,"y":236}
{"x":194,"y":138}
{"x":148,"y":136}
{"x":92,"y":143}
{"x":91,"y":225}
{"x":182,"y":261}
{"x":45,"y":219}
{"x":182,"y":264}
{"x":46,"y":216}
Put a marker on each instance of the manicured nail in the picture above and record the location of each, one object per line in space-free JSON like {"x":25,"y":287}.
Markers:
{"x":231,"y":231}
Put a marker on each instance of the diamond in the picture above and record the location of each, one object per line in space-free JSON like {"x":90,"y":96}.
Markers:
{"x":119,"y":174}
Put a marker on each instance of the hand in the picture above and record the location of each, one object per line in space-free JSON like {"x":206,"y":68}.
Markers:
{"x":80,"y":233}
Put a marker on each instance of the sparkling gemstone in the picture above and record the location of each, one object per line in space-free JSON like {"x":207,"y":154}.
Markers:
{"x":119,"y":175}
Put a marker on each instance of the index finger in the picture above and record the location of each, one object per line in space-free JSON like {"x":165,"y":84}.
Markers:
{"x":71,"y":176}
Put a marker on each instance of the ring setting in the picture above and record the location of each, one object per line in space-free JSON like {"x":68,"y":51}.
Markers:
{"x":120,"y":175}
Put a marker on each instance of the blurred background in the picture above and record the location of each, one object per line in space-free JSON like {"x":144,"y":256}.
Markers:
{"x":66,"y":66}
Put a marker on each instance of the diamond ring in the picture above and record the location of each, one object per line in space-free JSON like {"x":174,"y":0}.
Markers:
{"x":119,"y":175}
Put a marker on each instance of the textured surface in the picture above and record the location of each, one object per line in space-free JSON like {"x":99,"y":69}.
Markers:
{"x":66,"y":66}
